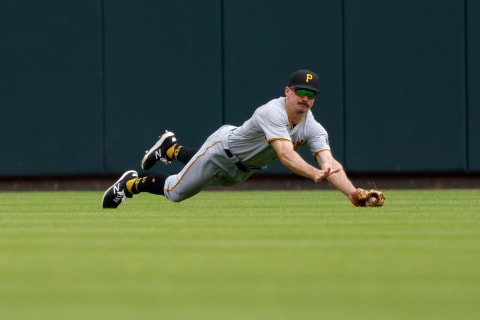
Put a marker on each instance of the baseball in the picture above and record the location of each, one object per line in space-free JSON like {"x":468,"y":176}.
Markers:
{"x":372,"y":200}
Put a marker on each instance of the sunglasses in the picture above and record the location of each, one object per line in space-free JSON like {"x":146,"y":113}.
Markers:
{"x":303,"y":92}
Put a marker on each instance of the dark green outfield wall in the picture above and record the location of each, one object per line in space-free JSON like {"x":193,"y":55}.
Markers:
{"x":87,"y":85}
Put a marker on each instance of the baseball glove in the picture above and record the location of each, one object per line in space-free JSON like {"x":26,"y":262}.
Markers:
{"x":369,"y":198}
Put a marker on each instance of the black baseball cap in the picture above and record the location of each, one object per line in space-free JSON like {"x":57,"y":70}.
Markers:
{"x":304,"y":79}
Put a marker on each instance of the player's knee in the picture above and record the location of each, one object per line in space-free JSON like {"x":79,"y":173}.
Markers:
{"x":177,"y":196}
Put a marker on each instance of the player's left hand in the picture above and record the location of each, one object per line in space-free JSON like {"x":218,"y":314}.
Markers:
{"x":367,"y":198}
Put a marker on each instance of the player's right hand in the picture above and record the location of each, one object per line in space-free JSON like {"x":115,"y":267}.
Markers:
{"x":323,"y":174}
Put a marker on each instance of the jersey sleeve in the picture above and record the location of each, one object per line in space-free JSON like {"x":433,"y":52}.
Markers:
{"x":272,"y":122}
{"x":317,"y":137}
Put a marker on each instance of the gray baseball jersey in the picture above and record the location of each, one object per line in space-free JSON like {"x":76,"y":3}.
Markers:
{"x":232,"y":154}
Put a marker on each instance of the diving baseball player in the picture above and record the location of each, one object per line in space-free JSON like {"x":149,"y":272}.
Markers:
{"x":232,"y":154}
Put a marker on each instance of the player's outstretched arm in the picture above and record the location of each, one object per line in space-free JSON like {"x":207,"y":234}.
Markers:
{"x":339,"y":180}
{"x":293,"y":161}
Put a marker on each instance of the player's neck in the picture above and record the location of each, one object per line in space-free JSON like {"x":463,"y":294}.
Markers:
{"x":295,"y":119}
{"x":295,"y":114}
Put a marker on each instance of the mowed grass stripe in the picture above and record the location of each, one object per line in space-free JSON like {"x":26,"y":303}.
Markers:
{"x":240,"y":255}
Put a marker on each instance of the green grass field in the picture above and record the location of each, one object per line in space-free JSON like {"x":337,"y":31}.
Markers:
{"x":240,"y":255}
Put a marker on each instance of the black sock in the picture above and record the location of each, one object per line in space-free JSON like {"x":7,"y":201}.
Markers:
{"x":184,"y":154}
{"x":152,"y":183}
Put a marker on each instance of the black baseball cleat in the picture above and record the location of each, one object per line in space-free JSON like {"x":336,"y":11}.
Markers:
{"x":159,"y":150}
{"x":118,"y":192}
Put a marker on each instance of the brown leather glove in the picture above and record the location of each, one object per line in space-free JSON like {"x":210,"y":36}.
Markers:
{"x":369,"y":198}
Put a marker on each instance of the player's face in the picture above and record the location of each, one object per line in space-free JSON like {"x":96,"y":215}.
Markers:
{"x":300,"y":100}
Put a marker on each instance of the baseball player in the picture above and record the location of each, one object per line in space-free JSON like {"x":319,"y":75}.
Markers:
{"x":232,"y":154}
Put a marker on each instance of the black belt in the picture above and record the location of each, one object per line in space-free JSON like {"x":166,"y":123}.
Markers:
{"x":240,"y":165}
